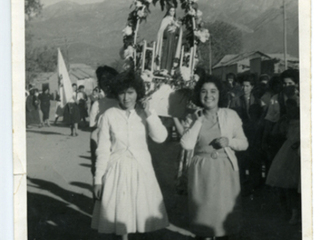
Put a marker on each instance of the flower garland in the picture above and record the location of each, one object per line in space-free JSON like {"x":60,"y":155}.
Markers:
{"x":140,"y":12}
{"x":195,"y":33}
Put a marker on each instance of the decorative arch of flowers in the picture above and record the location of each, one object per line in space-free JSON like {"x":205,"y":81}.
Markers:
{"x":194,"y":33}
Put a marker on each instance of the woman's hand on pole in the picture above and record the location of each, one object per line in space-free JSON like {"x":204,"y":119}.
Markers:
{"x":97,"y":189}
{"x":145,"y":105}
{"x":199,"y":115}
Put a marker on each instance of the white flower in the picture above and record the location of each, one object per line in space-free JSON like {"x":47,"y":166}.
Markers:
{"x":202,"y":34}
{"x":128,"y":52}
{"x":138,"y":4}
{"x":127,"y":31}
{"x":141,"y":13}
{"x":199,"y":13}
{"x":192,"y":12}
{"x":185,"y":73}
{"x":147,"y":76}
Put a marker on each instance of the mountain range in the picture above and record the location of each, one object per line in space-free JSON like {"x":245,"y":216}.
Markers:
{"x":92,"y":32}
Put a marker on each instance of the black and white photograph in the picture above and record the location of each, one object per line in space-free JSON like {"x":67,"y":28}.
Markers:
{"x":164,"y":120}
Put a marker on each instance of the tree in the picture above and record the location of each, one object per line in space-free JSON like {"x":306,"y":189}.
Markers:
{"x":47,"y":59}
{"x":225,"y":39}
{"x":32,"y":9}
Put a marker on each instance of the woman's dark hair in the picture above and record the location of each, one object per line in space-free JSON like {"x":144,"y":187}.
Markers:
{"x":96,"y":89}
{"x":248,"y":77}
{"x":292,"y":74}
{"x":293,"y":107}
{"x":31,"y":91}
{"x":231,"y":75}
{"x":208,"y":79}
{"x":291,"y":102}
{"x":105,"y":76}
{"x":126,"y":80}
{"x":168,"y":10}
{"x":74,"y":84}
{"x":200,"y":72}
{"x":275,"y":82}
{"x":45,"y":88}
{"x":264,"y":77}
{"x":80,"y":87}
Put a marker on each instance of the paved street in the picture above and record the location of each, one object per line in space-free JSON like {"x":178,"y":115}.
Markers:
{"x":60,"y":198}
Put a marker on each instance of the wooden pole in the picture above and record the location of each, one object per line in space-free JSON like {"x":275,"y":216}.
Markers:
{"x":181,"y":57}
{"x":153,"y":55}
{"x":194,"y":59}
{"x":144,"y":54}
{"x":210,"y":57}
{"x":135,"y":42}
{"x":194,"y":49}
{"x":285,"y":35}
{"x":191,"y":56}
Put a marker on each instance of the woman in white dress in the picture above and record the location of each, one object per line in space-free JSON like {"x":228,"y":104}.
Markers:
{"x":125,"y":182}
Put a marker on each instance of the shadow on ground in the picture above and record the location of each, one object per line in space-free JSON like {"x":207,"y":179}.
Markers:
{"x":40,"y":131}
{"x":61,"y":214}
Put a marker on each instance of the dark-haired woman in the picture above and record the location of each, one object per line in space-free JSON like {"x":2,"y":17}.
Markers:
{"x":32,"y":109}
{"x":214,"y":186}
{"x":125,"y":182}
{"x":72,"y":113}
{"x":272,"y":139}
{"x":105,"y":75}
{"x":45,"y":98}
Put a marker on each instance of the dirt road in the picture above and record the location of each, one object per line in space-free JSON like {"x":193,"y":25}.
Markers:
{"x":60,"y":198}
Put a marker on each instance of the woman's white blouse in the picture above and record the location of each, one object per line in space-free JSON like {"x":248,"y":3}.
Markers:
{"x":119,"y":133}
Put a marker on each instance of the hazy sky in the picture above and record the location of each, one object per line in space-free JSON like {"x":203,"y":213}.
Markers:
{"x":49,"y":2}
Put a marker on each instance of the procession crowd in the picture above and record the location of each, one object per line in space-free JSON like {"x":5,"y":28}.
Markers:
{"x":241,"y":133}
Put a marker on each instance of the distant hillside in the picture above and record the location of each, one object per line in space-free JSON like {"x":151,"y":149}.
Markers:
{"x":267,"y":33}
{"x":93,"y":31}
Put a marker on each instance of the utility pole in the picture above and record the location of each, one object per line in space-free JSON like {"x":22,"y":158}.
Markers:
{"x":285,"y":35}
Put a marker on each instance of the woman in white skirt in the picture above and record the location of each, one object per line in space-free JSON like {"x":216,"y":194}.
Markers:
{"x":125,"y":182}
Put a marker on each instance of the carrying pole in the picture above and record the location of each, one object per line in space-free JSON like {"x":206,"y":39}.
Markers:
{"x":135,"y":42}
{"x":285,"y":35}
{"x":210,"y":57}
{"x":144,"y":54}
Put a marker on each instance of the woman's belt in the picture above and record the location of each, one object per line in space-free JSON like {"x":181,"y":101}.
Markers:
{"x":214,"y":154}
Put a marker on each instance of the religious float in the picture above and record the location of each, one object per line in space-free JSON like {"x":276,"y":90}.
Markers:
{"x":167,"y":65}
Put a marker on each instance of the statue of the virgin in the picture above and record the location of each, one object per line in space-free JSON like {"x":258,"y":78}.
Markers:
{"x":169,"y":40}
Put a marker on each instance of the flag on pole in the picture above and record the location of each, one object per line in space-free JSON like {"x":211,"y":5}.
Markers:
{"x":66,"y":89}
